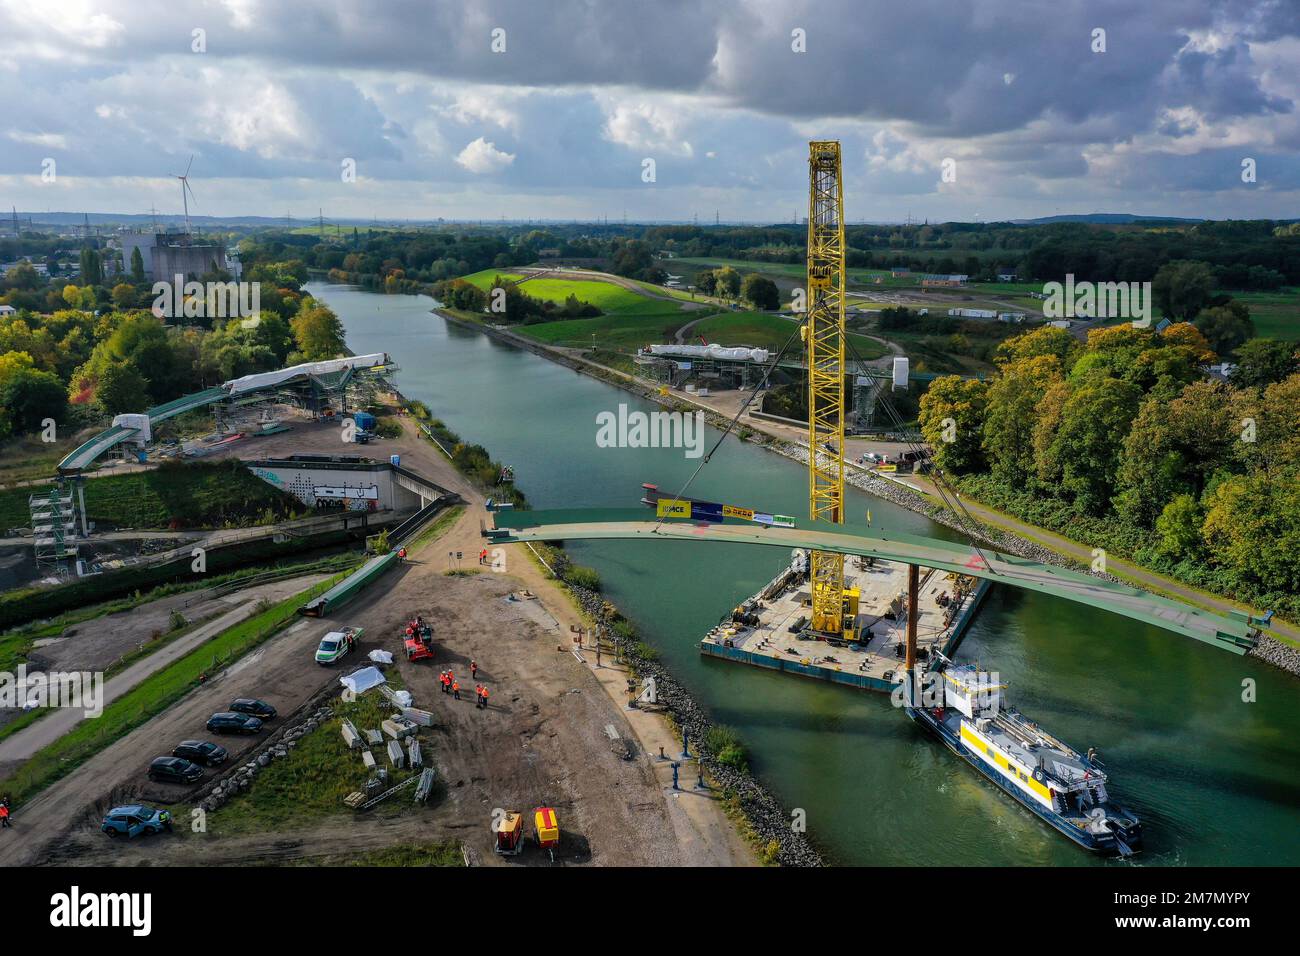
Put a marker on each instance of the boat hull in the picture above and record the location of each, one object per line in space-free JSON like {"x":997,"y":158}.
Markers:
{"x":1105,"y":844}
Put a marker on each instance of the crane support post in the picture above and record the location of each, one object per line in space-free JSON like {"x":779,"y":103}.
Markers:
{"x":913,"y":612}
{"x":824,"y":337}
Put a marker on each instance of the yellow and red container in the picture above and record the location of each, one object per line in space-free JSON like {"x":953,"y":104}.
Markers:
{"x":548,"y":828}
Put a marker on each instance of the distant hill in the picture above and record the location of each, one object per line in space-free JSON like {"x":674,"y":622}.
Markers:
{"x":1110,"y":218}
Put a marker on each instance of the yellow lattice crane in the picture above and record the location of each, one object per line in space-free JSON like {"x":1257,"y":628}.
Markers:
{"x":833,"y":608}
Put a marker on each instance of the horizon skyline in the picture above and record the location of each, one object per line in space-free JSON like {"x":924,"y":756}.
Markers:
{"x":310,"y":221}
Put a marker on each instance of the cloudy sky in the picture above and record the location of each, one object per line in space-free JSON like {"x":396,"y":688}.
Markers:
{"x":550,"y":108}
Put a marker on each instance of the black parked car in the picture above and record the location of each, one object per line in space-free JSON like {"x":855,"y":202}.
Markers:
{"x":174,"y":770}
{"x":229,"y":722}
{"x":201,"y":752}
{"x":251,"y":705}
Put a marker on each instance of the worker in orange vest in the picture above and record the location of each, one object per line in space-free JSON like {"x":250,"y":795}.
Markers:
{"x":478,"y":695}
{"x":4,"y":815}
{"x":473,"y":669}
{"x":455,"y":689}
{"x":445,"y":681}
{"x":483,"y":696}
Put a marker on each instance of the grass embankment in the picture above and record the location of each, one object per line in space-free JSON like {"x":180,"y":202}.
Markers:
{"x":16,"y":644}
{"x":153,"y":695}
{"x":472,"y":461}
{"x":766,"y":331}
{"x":610,"y":298}
{"x":630,"y":318}
{"x":445,"y":519}
{"x":313,"y":780}
{"x":174,"y":495}
{"x":27,"y":458}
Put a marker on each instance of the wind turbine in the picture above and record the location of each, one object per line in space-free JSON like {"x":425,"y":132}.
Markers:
{"x":186,"y":192}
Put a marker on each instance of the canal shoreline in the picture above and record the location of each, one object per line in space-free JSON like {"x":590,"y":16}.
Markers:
{"x":768,"y":819}
{"x":765,"y":816}
{"x":1269,"y":650}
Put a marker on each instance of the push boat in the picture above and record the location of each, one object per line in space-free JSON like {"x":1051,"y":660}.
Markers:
{"x":1065,"y":789}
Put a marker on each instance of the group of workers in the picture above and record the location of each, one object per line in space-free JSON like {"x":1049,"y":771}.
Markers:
{"x":450,"y":685}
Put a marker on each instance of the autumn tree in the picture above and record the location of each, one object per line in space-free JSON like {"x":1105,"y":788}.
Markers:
{"x":317,"y":331}
{"x":760,"y":292}
{"x":122,"y":388}
{"x":1173,"y":448}
{"x":1012,"y":407}
{"x":1252,"y":528}
{"x":1079,"y":439}
{"x":952,"y":422}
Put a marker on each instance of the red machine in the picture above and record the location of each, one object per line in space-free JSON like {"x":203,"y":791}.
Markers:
{"x":418,"y":639}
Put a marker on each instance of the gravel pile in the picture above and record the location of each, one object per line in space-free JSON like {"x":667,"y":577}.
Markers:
{"x":1280,"y":655}
{"x":241,"y":778}
{"x":770,"y":820}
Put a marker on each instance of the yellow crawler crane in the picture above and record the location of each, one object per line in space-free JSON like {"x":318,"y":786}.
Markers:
{"x":833,"y":609}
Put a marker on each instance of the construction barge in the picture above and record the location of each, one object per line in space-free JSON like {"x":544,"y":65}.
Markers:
{"x":771,"y":629}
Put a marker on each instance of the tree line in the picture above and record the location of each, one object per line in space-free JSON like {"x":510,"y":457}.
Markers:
{"x":1123,"y":442}
{"x":91,"y":352}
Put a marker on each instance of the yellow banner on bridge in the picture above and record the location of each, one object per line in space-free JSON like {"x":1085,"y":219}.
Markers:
{"x":672,"y":508}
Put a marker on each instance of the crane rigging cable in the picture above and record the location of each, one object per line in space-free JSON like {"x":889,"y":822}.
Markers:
{"x":823,"y":330}
{"x":798,"y":328}
{"x":970,"y":526}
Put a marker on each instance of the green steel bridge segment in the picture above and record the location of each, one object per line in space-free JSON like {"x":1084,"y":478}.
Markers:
{"x":81,"y":457}
{"x":1234,"y":633}
{"x":329,"y":375}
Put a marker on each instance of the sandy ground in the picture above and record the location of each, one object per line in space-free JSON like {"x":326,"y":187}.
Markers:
{"x":542,"y":741}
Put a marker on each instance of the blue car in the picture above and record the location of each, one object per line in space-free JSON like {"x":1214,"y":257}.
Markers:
{"x":136,"y":819}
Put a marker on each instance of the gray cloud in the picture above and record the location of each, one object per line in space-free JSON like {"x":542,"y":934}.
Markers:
{"x":714,"y":93}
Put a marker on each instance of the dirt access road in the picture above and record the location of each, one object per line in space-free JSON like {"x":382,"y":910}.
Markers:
{"x":541,"y":742}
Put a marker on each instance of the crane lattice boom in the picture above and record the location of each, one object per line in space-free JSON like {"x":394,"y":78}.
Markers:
{"x":824,"y":336}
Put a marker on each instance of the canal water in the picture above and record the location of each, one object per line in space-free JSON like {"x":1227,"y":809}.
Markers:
{"x":1216,"y":780}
